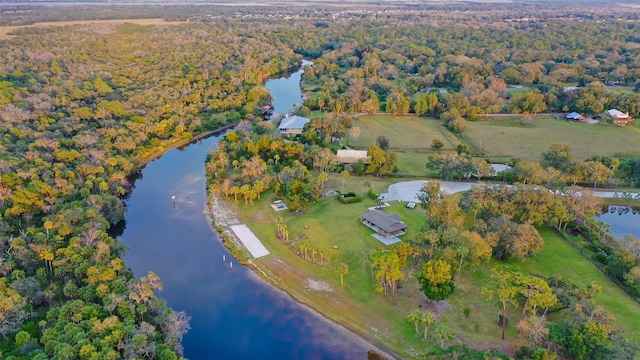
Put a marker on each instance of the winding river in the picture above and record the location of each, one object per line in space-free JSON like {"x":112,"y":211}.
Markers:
{"x":235,"y":314}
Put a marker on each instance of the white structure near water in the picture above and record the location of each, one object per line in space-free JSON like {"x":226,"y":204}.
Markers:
{"x":250,"y":241}
{"x":293,"y":125}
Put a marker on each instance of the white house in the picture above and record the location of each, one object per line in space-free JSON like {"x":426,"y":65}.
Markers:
{"x":293,"y":125}
{"x":619,"y":118}
{"x":617,"y":114}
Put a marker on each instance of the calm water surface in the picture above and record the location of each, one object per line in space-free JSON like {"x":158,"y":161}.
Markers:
{"x":235,"y":315}
{"x":286,"y":91}
{"x":624,"y":220}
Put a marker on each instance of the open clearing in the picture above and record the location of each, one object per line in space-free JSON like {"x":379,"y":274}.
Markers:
{"x":498,"y":138}
{"x":6,"y":30}
{"x":509,"y":137}
{"x":410,"y":137}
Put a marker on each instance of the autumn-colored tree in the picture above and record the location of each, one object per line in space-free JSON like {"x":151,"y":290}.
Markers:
{"x":435,"y":280}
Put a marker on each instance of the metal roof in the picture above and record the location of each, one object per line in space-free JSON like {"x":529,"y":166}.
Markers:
{"x":293,"y":122}
{"x":388,"y":223}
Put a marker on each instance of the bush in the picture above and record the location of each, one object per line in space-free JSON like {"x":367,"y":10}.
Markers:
{"x":372,"y":194}
{"x":348,"y":198}
{"x":437,"y":144}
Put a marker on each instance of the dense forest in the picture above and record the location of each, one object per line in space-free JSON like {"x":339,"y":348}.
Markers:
{"x":81,"y":110}
{"x":83,"y":107}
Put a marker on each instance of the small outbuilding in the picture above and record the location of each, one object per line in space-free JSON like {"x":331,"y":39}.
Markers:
{"x":293,"y":125}
{"x":574,"y":116}
{"x":619,"y":118}
{"x":386,"y":225}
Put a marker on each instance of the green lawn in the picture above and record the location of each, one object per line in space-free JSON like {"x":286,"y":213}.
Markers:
{"x":326,"y":224}
{"x":503,"y":137}
{"x":330,"y":223}
{"x":409,"y":136}
{"x":381,"y":318}
{"x":558,"y":257}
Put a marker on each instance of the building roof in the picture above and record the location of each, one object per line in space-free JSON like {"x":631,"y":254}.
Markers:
{"x":352,"y":156}
{"x":293,"y":122}
{"x":388,"y":223}
{"x":617,"y":113}
{"x":574,"y":115}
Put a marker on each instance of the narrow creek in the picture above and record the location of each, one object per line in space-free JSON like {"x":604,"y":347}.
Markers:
{"x":234,"y":314}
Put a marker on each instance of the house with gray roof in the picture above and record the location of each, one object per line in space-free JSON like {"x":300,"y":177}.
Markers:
{"x":293,"y":125}
{"x":386,"y":225}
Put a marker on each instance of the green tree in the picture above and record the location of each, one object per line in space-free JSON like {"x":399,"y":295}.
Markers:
{"x":386,"y":269}
{"x":504,"y":284}
{"x":415,"y":317}
{"x":435,"y":280}
{"x":558,"y":156}
{"x":596,"y":172}
{"x":427,"y":319}
{"x":443,"y":334}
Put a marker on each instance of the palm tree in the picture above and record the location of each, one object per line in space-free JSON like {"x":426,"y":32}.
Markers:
{"x":343,"y":269}
{"x":427,"y":319}
{"x":442,"y":334}
{"x":415,"y":316}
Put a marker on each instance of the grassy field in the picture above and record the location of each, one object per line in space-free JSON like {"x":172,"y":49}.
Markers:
{"x":333,"y":229}
{"x":558,"y":257}
{"x":6,"y":30}
{"x":374,"y":315}
{"x":409,"y":136}
{"x":508,"y":136}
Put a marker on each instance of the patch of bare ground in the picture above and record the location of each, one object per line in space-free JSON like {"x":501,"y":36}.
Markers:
{"x":318,"y":285}
{"x":223,"y":212}
{"x":438,"y":308}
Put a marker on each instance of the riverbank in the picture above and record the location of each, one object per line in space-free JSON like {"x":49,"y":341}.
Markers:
{"x":141,"y":161}
{"x":223,"y":214}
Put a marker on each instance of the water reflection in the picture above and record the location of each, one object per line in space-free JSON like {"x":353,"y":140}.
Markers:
{"x":235,"y":315}
{"x":623,"y":220}
{"x":286,"y":91}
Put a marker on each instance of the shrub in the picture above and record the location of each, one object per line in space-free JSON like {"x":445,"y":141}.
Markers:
{"x":437,"y":144}
{"x":349,"y":198}
{"x":372,"y":194}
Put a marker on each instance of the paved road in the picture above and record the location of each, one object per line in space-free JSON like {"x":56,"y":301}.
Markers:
{"x":407,"y":190}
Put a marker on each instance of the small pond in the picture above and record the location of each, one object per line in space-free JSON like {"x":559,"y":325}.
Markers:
{"x":624,"y":220}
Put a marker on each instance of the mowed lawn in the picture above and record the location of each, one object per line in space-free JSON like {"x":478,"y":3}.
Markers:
{"x":334,"y":230}
{"x":502,"y":137}
{"x":409,"y":136}
{"x":377,"y":316}
{"x":558,"y":257}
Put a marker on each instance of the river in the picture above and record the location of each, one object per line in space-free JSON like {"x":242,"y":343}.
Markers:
{"x":235,"y":314}
{"x":286,"y":91}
